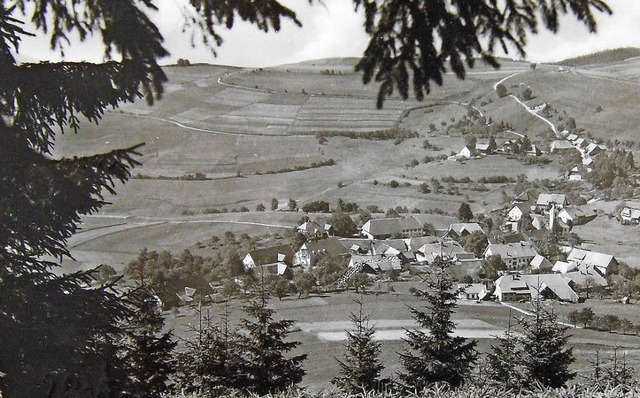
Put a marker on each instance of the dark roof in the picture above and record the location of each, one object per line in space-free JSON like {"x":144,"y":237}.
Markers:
{"x":269,"y":255}
{"x":330,"y":246}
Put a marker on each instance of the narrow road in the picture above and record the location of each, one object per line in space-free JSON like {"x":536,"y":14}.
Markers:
{"x":534,"y":113}
{"x":495,"y":87}
{"x":528,"y":313}
{"x":129,"y":223}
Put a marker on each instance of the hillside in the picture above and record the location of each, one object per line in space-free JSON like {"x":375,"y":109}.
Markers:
{"x":602,"y":57}
{"x":251,"y":136}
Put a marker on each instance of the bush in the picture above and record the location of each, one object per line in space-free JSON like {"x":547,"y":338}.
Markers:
{"x":319,"y":206}
{"x":501,"y":90}
{"x":394,"y":184}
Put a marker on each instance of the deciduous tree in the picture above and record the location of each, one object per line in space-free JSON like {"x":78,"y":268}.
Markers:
{"x":464,"y":212}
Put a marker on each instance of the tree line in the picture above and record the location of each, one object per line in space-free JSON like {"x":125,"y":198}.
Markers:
{"x":256,"y":355}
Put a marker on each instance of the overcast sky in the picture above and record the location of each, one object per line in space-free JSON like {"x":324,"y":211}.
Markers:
{"x":333,"y":29}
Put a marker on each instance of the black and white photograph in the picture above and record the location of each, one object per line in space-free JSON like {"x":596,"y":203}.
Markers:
{"x":319,"y":198}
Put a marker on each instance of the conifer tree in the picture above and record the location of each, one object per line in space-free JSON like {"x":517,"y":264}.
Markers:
{"x":147,"y":352}
{"x":50,"y":322}
{"x":361,"y":367}
{"x":212,"y":364}
{"x":434,"y":355}
{"x":263,"y":347}
{"x":504,"y":360}
{"x":544,"y":342}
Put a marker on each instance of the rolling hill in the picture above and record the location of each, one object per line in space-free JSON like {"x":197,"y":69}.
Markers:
{"x":252,"y":134}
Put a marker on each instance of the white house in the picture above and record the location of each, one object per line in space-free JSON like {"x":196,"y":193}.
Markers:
{"x":515,"y":255}
{"x":514,"y":287}
{"x":630,"y":215}
{"x":466,"y":152}
{"x":560,"y":145}
{"x":605,"y":264}
{"x":576,"y":215}
{"x":384,"y":228}
{"x":540,"y":262}
{"x":516,"y":212}
{"x":472,"y":291}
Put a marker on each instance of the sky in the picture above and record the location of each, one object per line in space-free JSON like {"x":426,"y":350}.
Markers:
{"x":332,"y":28}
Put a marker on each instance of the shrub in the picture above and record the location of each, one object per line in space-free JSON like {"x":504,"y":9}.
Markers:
{"x":394,"y":184}
{"x":501,"y":90}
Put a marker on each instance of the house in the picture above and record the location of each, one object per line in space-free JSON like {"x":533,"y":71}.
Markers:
{"x":389,"y":247}
{"x":546,"y":200}
{"x":515,"y":287}
{"x":414,"y":244}
{"x":576,"y":215}
{"x":534,"y":151}
{"x":540,"y":262}
{"x":507,"y":145}
{"x":587,"y":161}
{"x":384,"y":228}
{"x":374,"y":264}
{"x":551,"y":286}
{"x":429,"y":252}
{"x":515,"y":255}
{"x":579,"y":142}
{"x":593,"y":149}
{"x":356,"y":245}
{"x":466,"y":152}
{"x":458,"y":230}
{"x":585,"y":279}
{"x":310,"y":251}
{"x":274,"y":259}
{"x":527,"y":198}
{"x":512,"y":287}
{"x":564,"y":267}
{"x":539,"y":222}
{"x":483,"y":148}
{"x":629,"y":215}
{"x":575,"y":174}
{"x":188,"y":295}
{"x":516,"y":212}
{"x":472,"y":291}
{"x":316,"y":229}
{"x":572,"y":137}
{"x":560,"y":145}
{"x":605,"y":264}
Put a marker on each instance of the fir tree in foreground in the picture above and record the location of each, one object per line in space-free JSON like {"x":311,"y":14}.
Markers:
{"x":263,"y":346}
{"x":546,"y":357}
{"x":361,"y":367}
{"x":212,"y":363}
{"x":147,"y":352}
{"x":434,"y":355}
{"x":505,"y":360}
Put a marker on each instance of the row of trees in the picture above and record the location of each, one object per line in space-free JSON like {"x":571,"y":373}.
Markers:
{"x":255,"y":357}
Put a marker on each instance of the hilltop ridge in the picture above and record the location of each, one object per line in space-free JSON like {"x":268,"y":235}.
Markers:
{"x":602,"y":57}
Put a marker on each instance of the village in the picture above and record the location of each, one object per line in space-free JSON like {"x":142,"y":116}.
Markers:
{"x":532,"y":254}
